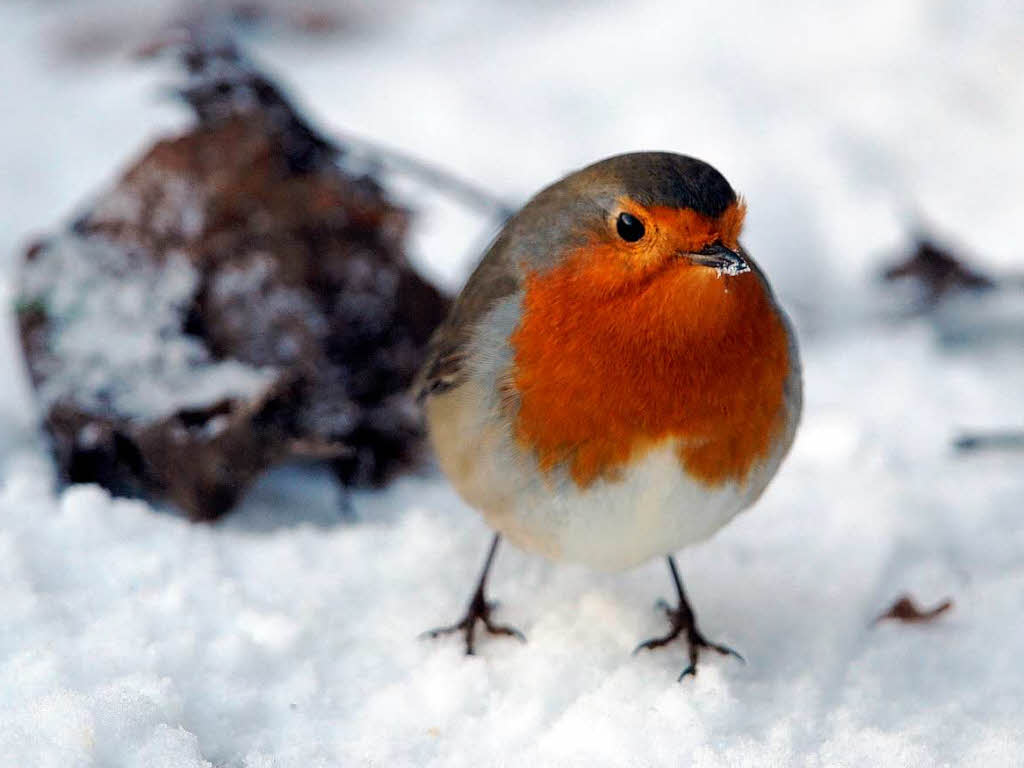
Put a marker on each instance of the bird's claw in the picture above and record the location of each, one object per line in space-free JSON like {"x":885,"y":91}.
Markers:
{"x":683,"y":622}
{"x":479,"y":610}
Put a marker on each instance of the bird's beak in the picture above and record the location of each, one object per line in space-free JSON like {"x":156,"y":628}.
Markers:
{"x":717,"y":256}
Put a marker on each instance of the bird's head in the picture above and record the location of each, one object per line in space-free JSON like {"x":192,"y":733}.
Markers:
{"x":633,"y":215}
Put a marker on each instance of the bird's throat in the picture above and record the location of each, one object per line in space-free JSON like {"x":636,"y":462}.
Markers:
{"x":606,"y":369}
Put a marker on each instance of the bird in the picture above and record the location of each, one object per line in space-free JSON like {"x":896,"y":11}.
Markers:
{"x":616,"y":381}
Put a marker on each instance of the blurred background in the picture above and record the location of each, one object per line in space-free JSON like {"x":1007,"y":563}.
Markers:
{"x":847,"y":128}
{"x":878,"y":147}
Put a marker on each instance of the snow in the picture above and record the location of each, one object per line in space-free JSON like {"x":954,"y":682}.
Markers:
{"x":287,"y":634}
{"x":115,"y":331}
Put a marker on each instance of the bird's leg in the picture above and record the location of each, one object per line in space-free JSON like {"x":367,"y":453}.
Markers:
{"x":479,"y":610}
{"x":684,"y":621}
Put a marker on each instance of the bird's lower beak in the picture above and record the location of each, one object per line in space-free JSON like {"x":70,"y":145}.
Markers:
{"x":717,"y":256}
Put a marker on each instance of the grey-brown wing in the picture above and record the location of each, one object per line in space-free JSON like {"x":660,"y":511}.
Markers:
{"x":495,"y":277}
{"x":535,"y":237}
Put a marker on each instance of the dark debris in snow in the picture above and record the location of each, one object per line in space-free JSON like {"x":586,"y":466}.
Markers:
{"x":907,"y":611}
{"x":938,"y":272}
{"x":240,"y":297}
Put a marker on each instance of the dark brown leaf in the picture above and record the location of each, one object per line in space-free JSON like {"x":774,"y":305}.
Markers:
{"x":906,"y":610}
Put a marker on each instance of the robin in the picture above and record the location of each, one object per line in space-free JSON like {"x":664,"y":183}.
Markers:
{"x":616,"y":380}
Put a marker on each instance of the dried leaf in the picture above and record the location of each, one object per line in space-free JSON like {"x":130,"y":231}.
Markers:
{"x":906,"y":610}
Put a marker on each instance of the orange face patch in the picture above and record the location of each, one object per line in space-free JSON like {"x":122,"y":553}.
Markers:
{"x":609,"y":362}
{"x":670,"y":231}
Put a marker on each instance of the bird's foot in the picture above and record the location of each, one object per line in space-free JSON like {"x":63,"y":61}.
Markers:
{"x":479,"y":610}
{"x":683,"y":621}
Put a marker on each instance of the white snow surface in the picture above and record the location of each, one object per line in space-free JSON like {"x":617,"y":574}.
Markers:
{"x":287,"y":634}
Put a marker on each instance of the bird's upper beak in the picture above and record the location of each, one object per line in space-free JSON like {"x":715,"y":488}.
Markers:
{"x":718,"y":256}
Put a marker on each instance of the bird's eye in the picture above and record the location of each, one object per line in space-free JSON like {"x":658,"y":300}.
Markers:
{"x":629,"y":227}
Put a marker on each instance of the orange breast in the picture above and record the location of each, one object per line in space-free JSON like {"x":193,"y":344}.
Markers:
{"x":606,"y":369}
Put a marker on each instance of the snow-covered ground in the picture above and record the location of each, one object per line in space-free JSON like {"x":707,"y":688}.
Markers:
{"x":287,"y":634}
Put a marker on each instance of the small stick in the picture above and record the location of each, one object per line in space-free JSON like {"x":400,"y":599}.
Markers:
{"x":203,"y":41}
{"x":468,"y":193}
{"x":1007,"y":440}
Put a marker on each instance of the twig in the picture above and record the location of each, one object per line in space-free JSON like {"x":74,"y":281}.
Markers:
{"x":1008,"y":440}
{"x":468,"y":193}
{"x":222,"y":80}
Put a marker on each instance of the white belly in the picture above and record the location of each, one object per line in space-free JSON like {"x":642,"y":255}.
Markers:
{"x":653,"y":508}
